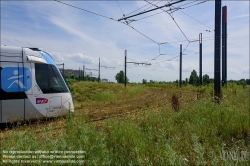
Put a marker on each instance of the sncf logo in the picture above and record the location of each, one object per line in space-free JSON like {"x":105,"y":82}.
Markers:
{"x":41,"y":100}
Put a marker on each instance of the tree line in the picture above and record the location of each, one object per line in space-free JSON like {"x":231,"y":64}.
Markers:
{"x":81,"y":78}
{"x":192,"y":80}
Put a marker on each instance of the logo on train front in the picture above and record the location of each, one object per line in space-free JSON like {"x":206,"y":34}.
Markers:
{"x":41,"y":100}
{"x":16,"y":79}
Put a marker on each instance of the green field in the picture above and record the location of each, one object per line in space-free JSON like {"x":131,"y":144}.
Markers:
{"x":137,"y":125}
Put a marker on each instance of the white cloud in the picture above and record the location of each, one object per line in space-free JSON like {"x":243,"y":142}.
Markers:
{"x":240,"y":16}
{"x":246,"y":70}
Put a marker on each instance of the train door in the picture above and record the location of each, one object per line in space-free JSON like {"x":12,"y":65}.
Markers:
{"x":30,"y":108}
{"x":1,"y":94}
{"x":0,"y":111}
{"x":36,"y":102}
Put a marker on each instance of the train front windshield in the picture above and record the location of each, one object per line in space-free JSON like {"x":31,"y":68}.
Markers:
{"x":49,"y":79}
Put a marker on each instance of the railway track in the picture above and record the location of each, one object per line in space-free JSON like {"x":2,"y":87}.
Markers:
{"x":154,"y":100}
{"x":126,"y":108}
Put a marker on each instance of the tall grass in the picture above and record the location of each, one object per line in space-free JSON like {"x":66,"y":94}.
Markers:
{"x":91,"y":93}
{"x":195,"y":135}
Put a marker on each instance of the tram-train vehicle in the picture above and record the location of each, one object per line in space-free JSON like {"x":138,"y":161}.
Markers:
{"x":31,"y":86}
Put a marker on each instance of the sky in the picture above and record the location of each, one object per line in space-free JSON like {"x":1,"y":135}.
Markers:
{"x":78,"y":38}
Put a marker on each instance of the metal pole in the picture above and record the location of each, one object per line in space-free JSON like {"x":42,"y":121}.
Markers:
{"x":217,"y":49}
{"x":79,"y":74}
{"x":224,"y":45}
{"x":180,"y":79}
{"x":99,"y":71}
{"x":125,"y":78}
{"x":83,"y":72}
{"x":63,"y":69}
{"x":200,"y":39}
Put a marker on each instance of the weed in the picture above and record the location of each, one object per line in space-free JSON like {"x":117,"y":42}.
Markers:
{"x":175,"y":102}
{"x":198,"y":134}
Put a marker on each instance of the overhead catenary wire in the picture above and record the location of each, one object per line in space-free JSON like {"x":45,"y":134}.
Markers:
{"x":165,"y":60}
{"x":105,"y":17}
{"x":178,"y":26}
{"x":100,"y":15}
{"x":193,"y":17}
{"x":170,"y":59}
{"x":151,"y":6}
{"x":108,"y":17}
{"x":143,"y":7}
{"x":155,"y":4}
{"x":174,"y":57}
{"x":177,"y":55}
{"x":160,"y":12}
{"x":160,"y":61}
{"x":182,"y":52}
{"x":85,"y":10}
{"x":191,"y":40}
{"x":166,"y":5}
{"x":150,"y":15}
{"x":186,"y":47}
{"x":122,"y":11}
{"x":175,"y":26}
{"x":165,"y":42}
{"x":187,"y":3}
{"x":177,"y":8}
{"x":143,"y":34}
{"x":120,"y":8}
{"x":172,"y":18}
{"x":138,"y":9}
{"x":196,"y":4}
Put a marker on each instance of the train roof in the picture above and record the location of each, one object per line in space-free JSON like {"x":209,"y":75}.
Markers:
{"x":22,"y":54}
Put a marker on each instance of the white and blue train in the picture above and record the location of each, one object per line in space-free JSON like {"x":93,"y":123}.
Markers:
{"x":31,"y":86}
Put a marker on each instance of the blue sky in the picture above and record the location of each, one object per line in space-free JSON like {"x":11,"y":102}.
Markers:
{"x":76,"y":37}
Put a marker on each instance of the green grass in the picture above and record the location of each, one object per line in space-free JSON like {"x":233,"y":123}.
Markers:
{"x":92,"y":94}
{"x":195,"y":135}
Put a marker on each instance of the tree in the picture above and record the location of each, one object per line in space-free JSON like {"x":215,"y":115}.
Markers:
{"x":144,"y":81}
{"x":248,"y":81}
{"x":241,"y":82}
{"x":186,"y":81}
{"x":205,"y":79}
{"x":120,"y":77}
{"x":194,"y":79}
